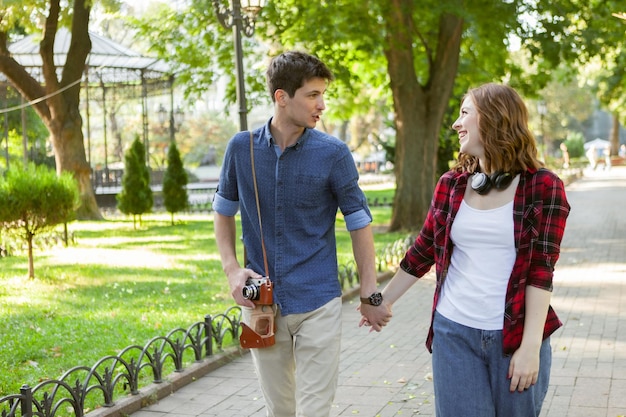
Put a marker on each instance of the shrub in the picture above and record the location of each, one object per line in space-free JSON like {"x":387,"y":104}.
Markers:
{"x":175,"y":181}
{"x":34,"y":199}
{"x":575,"y":145}
{"x":136,"y":195}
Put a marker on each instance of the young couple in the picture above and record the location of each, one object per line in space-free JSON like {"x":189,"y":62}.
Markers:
{"x":493,"y":233}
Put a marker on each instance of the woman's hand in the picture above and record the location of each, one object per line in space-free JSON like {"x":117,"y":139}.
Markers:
{"x":524,"y":368}
{"x":375,"y":316}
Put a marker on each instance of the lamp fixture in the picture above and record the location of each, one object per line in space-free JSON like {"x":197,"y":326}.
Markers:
{"x":229,"y":14}
{"x":230,"y":11}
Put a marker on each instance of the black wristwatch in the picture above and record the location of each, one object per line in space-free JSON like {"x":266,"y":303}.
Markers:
{"x":375,"y":299}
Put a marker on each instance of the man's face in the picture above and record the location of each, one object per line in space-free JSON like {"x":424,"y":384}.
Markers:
{"x":305,"y":108}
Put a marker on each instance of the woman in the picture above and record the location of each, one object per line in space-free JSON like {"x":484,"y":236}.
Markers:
{"x":494,"y":244}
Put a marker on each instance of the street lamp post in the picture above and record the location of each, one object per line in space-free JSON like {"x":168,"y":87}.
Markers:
{"x":176,"y":118}
{"x":229,"y":14}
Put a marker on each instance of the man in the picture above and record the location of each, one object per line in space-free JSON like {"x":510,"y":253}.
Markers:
{"x":304,"y":176}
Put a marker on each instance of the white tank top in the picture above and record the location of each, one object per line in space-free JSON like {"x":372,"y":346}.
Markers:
{"x":474,"y":290}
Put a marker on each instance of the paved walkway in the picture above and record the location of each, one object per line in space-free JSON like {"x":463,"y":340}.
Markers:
{"x":389,"y":373}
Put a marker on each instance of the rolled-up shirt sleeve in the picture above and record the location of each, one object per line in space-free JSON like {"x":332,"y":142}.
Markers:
{"x":357,"y":220}
{"x":224,"y":206}
{"x":345,"y":182}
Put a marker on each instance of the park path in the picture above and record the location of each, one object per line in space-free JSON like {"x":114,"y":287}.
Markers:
{"x":389,"y":373}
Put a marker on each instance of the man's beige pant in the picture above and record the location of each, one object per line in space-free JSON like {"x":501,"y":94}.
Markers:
{"x":298,"y":375}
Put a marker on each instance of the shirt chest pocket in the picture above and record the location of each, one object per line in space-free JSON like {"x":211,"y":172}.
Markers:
{"x":309,"y":191}
{"x":530,"y":226}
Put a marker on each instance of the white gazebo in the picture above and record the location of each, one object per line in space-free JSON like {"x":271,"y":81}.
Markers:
{"x":111,"y":70}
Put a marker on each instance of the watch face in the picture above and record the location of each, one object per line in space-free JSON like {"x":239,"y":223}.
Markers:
{"x":376,"y":299}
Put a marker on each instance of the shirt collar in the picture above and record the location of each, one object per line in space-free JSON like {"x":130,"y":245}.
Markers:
{"x":267,"y":137}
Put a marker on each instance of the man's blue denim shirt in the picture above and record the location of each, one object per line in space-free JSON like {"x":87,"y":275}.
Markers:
{"x":300,"y":191}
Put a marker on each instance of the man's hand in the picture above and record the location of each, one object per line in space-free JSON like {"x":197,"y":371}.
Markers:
{"x":237,"y":280}
{"x":375,"y":317}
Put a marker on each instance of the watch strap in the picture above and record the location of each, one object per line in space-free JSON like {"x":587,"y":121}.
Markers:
{"x":368,"y":300}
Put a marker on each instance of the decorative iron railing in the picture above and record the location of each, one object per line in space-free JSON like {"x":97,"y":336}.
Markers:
{"x":123,"y":373}
{"x":83,"y":388}
{"x":390,"y":256}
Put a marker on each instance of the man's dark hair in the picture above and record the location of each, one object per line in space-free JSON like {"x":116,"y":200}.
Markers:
{"x":289,"y":71}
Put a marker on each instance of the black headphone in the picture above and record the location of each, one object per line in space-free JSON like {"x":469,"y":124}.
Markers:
{"x":482,"y":183}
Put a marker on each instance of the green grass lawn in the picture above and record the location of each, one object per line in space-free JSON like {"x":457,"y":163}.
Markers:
{"x":116,"y":287}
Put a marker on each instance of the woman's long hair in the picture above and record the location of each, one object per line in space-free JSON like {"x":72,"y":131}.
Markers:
{"x":503,"y":125}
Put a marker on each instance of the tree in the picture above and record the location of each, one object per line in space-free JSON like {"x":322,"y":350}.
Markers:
{"x":419,"y":44}
{"x":419,"y":56}
{"x":136,"y":195}
{"x":60,"y":111}
{"x":35,"y":199}
{"x":434,"y":50}
{"x":588,"y":37}
{"x":611,"y":85}
{"x":175,"y":180}
{"x":385,"y":51}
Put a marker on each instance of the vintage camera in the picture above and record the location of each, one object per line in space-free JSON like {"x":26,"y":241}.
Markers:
{"x":259,"y":332}
{"x":258,"y":290}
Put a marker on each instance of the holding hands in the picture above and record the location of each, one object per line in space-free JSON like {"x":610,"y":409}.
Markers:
{"x":375,"y":317}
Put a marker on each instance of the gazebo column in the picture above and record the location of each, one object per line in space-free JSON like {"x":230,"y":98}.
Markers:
{"x":104,"y":130}
{"x":144,"y":115}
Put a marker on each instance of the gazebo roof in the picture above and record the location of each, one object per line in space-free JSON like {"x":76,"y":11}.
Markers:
{"x":108,"y":61}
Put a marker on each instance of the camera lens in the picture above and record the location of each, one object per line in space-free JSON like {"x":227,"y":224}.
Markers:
{"x":251,"y":292}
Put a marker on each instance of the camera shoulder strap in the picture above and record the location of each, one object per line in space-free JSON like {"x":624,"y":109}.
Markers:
{"x":258,"y":205}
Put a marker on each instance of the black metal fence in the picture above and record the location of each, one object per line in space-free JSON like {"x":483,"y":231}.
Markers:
{"x":82,"y":387}
{"x":123,"y":373}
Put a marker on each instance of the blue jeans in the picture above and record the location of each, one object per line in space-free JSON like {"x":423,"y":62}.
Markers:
{"x":470,"y":374}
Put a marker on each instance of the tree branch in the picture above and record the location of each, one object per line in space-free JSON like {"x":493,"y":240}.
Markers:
{"x":46,"y":49}
{"x":21,"y":79}
{"x":80,"y":47}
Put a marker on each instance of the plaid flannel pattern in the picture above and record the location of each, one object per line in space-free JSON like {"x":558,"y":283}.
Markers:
{"x":540,"y":210}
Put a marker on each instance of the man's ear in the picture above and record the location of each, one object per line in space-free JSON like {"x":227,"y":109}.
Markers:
{"x":280,"y":96}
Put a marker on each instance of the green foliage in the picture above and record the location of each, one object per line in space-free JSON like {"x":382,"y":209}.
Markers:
{"x":201,"y":51}
{"x":35,"y":199}
{"x":579,"y":33}
{"x":203,"y":134}
{"x":175,"y":180}
{"x":575,"y":145}
{"x":370,"y":59}
{"x":36,"y":133}
{"x":136,"y":196}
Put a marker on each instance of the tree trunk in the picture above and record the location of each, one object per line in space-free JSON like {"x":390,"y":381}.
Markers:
{"x":60,"y":112}
{"x":69,"y":155}
{"x":614,"y":138}
{"x":419,"y":110}
{"x":31,"y":261}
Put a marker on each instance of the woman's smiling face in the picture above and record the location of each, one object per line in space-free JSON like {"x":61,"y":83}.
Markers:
{"x":467,"y":128}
